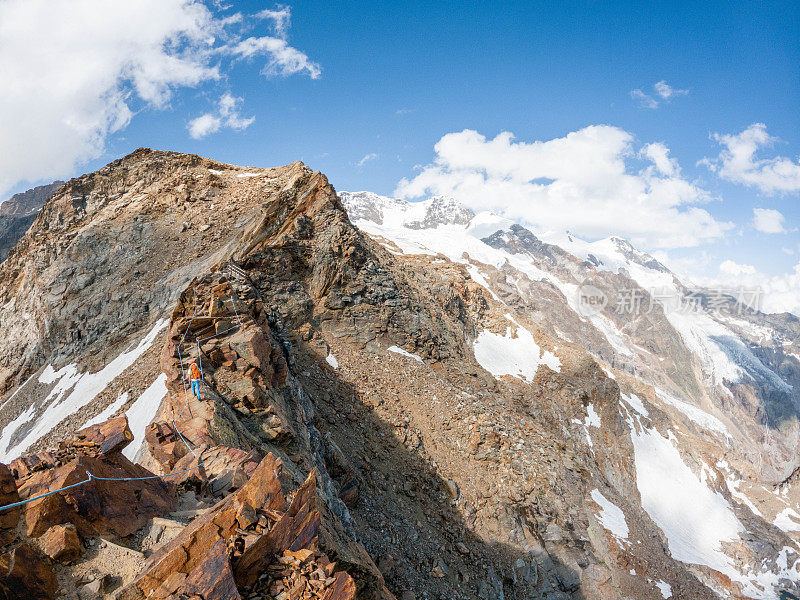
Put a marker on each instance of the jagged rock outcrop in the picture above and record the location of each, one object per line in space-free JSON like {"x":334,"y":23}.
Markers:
{"x":118,"y":500}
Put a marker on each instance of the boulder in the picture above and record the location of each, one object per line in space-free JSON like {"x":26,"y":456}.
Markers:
{"x":186,"y":551}
{"x":212,"y":579}
{"x":8,"y":495}
{"x":97,"y":508}
{"x":26,"y":573}
{"x":105,"y":438}
{"x":62,"y":543}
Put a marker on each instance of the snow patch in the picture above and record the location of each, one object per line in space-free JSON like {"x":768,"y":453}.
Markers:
{"x":695,"y":519}
{"x":244,"y":175}
{"x":108,"y":412}
{"x":518,"y":356}
{"x":635,"y":403}
{"x":664,"y":588}
{"x":399,"y":350}
{"x":331,"y":360}
{"x":698,"y":415}
{"x":592,"y":418}
{"x":610,"y":516}
{"x":787,"y":520}
{"x":142,"y":412}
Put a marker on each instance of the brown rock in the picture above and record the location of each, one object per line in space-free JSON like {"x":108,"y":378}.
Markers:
{"x":189,"y":548}
{"x":97,"y":508}
{"x":62,"y":543}
{"x":296,"y":528}
{"x":8,"y":495}
{"x":26,"y":573}
{"x":24,"y":466}
{"x":107,"y":438}
{"x":212,"y":579}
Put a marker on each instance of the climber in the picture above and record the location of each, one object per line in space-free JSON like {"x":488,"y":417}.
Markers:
{"x":196,"y":378}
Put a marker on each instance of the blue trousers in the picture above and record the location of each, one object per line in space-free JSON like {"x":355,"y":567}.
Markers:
{"x":196,"y":388}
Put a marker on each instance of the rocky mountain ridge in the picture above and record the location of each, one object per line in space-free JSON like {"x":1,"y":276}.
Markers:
{"x":407,"y":402}
{"x":17,"y":214}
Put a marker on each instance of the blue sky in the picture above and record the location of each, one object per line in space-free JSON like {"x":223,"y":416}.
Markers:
{"x":397,"y":77}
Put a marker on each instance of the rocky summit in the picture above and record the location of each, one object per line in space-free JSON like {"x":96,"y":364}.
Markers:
{"x":399,"y":400}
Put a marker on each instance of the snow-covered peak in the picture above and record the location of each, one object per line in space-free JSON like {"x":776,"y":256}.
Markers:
{"x":394,"y":212}
{"x":368,"y":206}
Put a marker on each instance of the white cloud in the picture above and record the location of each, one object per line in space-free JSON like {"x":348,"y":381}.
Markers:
{"x":737,"y":162}
{"x":734,"y":269}
{"x":284,"y":60}
{"x":204,"y":125}
{"x":366,"y":158}
{"x":662,"y":89}
{"x":768,"y":220}
{"x":779,"y":293}
{"x":75,"y":72}
{"x":644,"y":100}
{"x":586,"y":182}
{"x":281,"y":19}
{"x":227,"y":116}
{"x":658,"y":154}
{"x":667,"y":92}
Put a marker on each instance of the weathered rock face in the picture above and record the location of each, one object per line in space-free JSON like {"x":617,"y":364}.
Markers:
{"x":18,"y":212}
{"x":8,"y":495}
{"x":247,"y":542}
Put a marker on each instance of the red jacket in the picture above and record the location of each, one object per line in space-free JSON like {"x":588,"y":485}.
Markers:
{"x":194,"y":372}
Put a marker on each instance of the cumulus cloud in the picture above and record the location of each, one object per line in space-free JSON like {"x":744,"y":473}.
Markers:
{"x":779,"y":293}
{"x":737,"y":162}
{"x":768,"y":220}
{"x":227,"y":115}
{"x":661,"y":90}
{"x":75,"y":72}
{"x":366,"y":158}
{"x":592,"y":181}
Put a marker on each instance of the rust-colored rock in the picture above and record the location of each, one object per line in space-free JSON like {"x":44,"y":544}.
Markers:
{"x":26,"y":465}
{"x":8,"y":495}
{"x":184,"y":553}
{"x":165,"y":445}
{"x":213,"y":578}
{"x":26,"y":573}
{"x":62,"y":543}
{"x":97,"y":507}
{"x":104,"y":438}
{"x":296,"y":529}
{"x":223,"y":470}
{"x":343,"y":588}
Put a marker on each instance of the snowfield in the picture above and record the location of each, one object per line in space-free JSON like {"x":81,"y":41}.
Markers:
{"x":519,"y":356}
{"x":72,"y":391}
{"x":695,"y":519}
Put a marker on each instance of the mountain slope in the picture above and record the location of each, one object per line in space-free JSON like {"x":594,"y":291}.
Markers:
{"x":419,"y":394}
{"x":17,"y":214}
